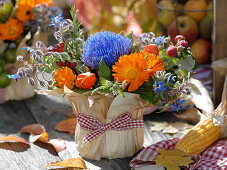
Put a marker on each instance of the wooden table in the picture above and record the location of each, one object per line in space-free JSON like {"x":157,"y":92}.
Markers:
{"x":48,"y":111}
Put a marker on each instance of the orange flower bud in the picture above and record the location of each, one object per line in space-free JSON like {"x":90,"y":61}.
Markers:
{"x":86,"y":80}
{"x":152,"y":48}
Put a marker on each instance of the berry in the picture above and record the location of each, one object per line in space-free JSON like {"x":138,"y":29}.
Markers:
{"x":179,"y":37}
{"x":60,"y":63}
{"x":172,"y":51}
{"x":67,"y":63}
{"x":182,"y":43}
{"x":70,"y":54}
{"x":152,"y":48}
{"x":73,"y":64}
{"x":61,"y":44}
{"x":60,"y":47}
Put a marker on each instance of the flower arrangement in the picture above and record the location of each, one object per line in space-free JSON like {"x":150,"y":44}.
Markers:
{"x":17,"y":19}
{"x":110,"y":78}
{"x":153,"y":67}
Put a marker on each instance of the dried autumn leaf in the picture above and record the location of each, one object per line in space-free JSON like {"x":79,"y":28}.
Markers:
{"x":70,"y":163}
{"x":172,"y":159}
{"x":170,"y":128}
{"x":58,"y":144}
{"x":35,"y":129}
{"x":44,"y":137}
{"x":68,"y":125}
{"x":12,"y":139}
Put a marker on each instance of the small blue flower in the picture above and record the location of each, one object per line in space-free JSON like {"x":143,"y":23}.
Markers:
{"x":14,"y":76}
{"x":160,"y":40}
{"x":58,"y":21}
{"x":172,"y":79}
{"x":159,"y":86}
{"x":106,"y":46}
{"x":177,"y":106}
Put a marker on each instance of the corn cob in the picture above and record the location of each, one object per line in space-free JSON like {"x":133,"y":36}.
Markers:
{"x":199,"y":138}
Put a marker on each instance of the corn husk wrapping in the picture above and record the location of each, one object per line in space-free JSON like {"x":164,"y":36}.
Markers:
{"x":21,"y":89}
{"x":106,"y":108}
{"x":220,"y":114}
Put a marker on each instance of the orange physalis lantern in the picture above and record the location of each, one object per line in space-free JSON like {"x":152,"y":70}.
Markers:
{"x":86,"y":80}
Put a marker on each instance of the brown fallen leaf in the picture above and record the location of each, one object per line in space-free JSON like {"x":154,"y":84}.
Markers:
{"x":35,"y":129}
{"x":70,"y":163}
{"x":12,"y":139}
{"x":191,"y":114}
{"x":58,"y":144}
{"x":68,"y":125}
{"x":42,"y":137}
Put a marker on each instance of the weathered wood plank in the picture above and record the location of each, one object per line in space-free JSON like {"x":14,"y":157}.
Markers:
{"x":219,"y":45}
{"x":14,"y":115}
{"x":48,"y":111}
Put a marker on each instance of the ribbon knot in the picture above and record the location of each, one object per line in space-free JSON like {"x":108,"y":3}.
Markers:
{"x":96,"y":128}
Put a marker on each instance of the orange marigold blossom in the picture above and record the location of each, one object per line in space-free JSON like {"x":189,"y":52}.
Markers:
{"x":154,"y":64}
{"x":65,"y":77}
{"x":24,"y":10}
{"x":86,"y":80}
{"x":33,"y":3}
{"x":11,"y":30}
{"x":132,"y":69}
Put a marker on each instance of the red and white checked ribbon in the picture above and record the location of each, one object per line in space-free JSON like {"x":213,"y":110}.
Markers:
{"x":122,"y":122}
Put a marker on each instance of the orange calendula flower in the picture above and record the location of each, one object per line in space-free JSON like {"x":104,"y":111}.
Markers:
{"x":11,"y":30}
{"x":132,"y":69}
{"x":65,"y":77}
{"x":24,"y":10}
{"x":154,"y":64}
{"x":33,"y":3}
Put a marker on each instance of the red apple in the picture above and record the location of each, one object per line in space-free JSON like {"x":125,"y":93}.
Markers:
{"x":202,"y":51}
{"x":185,"y":26}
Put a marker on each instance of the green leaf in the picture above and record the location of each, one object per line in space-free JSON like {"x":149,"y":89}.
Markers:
{"x":104,"y":82}
{"x":148,"y":96}
{"x":104,"y":70}
{"x":186,"y":64}
{"x":184,"y":73}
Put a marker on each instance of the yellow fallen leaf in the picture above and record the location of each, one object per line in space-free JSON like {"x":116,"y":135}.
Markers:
{"x":70,"y":163}
{"x":172,"y":159}
{"x":42,"y":137}
{"x":68,"y":125}
{"x":12,"y":139}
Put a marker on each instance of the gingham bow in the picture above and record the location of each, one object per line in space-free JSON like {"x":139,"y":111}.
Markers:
{"x":122,"y":122}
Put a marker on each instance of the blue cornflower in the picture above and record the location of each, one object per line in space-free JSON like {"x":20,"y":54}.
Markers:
{"x":160,"y":86}
{"x":160,"y":40}
{"x":58,"y":21}
{"x":177,"y":106}
{"x":14,"y":76}
{"x":106,"y":46}
{"x":172,"y":79}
